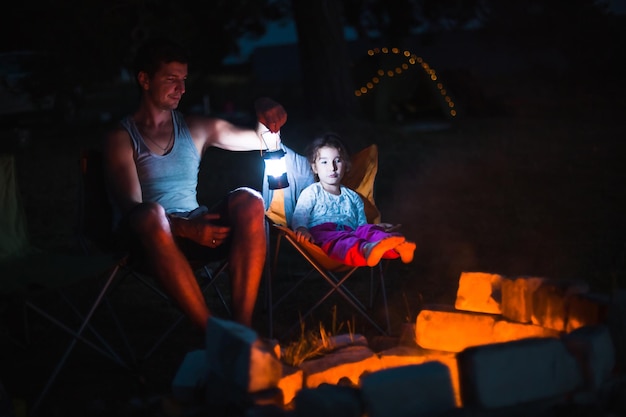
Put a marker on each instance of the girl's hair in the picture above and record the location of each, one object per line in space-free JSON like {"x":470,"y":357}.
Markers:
{"x":332,"y":140}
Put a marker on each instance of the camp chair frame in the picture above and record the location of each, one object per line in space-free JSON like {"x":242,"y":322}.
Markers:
{"x":97,"y":341}
{"x":94,"y":236}
{"x":335,"y":274}
{"x":30,"y":269}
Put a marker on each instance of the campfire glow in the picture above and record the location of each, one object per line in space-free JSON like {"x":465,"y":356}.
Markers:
{"x":489,"y":309}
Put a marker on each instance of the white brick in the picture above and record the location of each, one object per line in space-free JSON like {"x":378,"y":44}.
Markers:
{"x":443,"y":328}
{"x":190,"y":376}
{"x":517,"y":298}
{"x":291,"y":382}
{"x":328,"y":401}
{"x":506,"y":331}
{"x":507,"y":374}
{"x":587,"y":310}
{"x":412,"y":390}
{"x":349,"y":362}
{"x":479,"y":292}
{"x":405,"y":355}
{"x":235,"y":356}
{"x":593,"y":347}
{"x":550,"y":303}
{"x":408,"y":355}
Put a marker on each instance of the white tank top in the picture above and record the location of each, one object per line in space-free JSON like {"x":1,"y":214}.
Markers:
{"x":169,"y":179}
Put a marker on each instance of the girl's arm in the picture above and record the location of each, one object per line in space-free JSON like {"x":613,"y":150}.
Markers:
{"x":302,"y":214}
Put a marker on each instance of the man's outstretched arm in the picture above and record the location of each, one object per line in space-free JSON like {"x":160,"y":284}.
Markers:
{"x":223,"y":134}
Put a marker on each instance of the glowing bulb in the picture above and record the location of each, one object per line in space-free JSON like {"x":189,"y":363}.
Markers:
{"x":276,"y":169}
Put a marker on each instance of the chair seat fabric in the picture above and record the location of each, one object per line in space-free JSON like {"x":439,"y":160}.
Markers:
{"x":316,"y":252}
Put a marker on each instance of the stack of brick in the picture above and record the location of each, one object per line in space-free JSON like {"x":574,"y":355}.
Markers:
{"x":491,"y":308}
{"x":507,"y":343}
{"x":522,"y":339}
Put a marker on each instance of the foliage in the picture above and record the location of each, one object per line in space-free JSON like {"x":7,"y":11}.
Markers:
{"x":313,"y":343}
{"x":100,"y":36}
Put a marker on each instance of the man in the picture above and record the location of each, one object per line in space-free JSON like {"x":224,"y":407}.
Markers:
{"x":152,"y":161}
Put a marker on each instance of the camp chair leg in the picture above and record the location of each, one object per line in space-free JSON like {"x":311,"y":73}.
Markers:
{"x":109,"y":350}
{"x":381,"y":285}
{"x":76,"y":337}
{"x":212,"y":276}
{"x":337,"y":286}
{"x":268,"y":303}
{"x":121,"y":332}
{"x":21,"y":327}
{"x":383,"y":290}
{"x":294,"y":287}
{"x":277,"y":251}
{"x":327,"y":275}
{"x":164,"y":336}
{"x":268,"y":282}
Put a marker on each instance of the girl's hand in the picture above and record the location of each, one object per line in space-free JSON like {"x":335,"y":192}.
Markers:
{"x":303,"y":235}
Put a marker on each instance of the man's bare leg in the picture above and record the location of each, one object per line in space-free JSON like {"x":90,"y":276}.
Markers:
{"x":168,"y":263}
{"x":247,"y":253}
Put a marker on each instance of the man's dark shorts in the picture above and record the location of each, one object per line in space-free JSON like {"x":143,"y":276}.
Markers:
{"x":197,"y":254}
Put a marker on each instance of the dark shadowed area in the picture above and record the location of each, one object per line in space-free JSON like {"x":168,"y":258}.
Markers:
{"x":529,"y":180}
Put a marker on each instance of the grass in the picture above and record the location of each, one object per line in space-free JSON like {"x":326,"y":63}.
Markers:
{"x":314,"y":343}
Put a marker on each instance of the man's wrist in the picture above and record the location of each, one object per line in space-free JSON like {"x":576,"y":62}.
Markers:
{"x":271,"y":141}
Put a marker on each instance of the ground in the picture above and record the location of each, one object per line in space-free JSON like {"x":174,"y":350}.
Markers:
{"x":527,"y":193}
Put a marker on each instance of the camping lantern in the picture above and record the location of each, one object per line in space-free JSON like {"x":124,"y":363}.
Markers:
{"x":276,"y":169}
{"x":275,"y":163}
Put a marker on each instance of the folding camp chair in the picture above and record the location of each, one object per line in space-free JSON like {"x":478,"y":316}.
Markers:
{"x":361,"y":179}
{"x":36,"y":268}
{"x":32,"y":276}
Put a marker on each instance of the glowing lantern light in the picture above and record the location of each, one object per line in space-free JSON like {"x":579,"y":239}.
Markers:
{"x":275,"y":164}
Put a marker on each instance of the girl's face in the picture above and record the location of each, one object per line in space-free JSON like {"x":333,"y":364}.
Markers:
{"x":329,"y":167}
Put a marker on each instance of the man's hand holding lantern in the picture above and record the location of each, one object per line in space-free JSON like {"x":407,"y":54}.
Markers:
{"x":270,"y":113}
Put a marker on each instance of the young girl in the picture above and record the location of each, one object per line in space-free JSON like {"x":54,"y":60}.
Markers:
{"x":333,"y":216}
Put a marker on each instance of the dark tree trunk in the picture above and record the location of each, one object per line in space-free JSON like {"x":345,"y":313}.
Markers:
{"x":327,"y":81}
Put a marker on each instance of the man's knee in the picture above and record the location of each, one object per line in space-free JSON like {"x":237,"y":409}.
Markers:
{"x":147,"y":217}
{"x":246,"y":202}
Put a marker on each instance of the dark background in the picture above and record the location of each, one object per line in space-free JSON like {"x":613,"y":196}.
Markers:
{"x":526,"y":180}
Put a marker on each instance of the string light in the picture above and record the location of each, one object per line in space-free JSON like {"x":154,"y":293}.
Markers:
{"x":411,"y":60}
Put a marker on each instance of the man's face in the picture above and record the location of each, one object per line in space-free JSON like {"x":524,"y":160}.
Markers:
{"x":167,"y":86}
